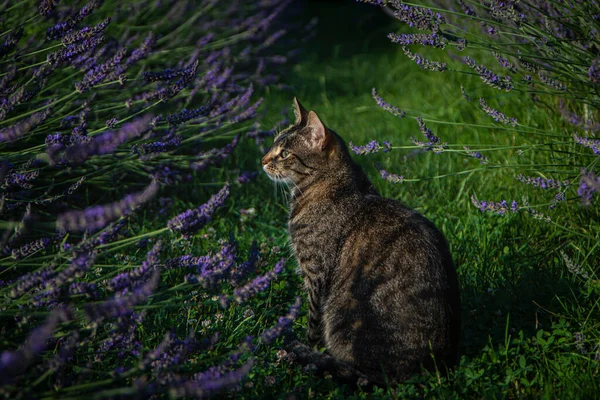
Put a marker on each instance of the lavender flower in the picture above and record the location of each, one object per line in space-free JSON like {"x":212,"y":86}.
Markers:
{"x":142,"y":51}
{"x":542,"y":183}
{"x":434,"y":143}
{"x":387,"y":106}
{"x":24,"y":126}
{"x":192,"y":220}
{"x":73,"y":50}
{"x":105,"y":143}
{"x":122,"y":306}
{"x":497,"y":115}
{"x":247,"y":267}
{"x":424,"y":63}
{"x":370,"y":148}
{"x":47,"y":6}
{"x":475,"y":154}
{"x":155,"y":148}
{"x":260,"y":283}
{"x":185,"y":115}
{"x":62,"y":28}
{"x":207,"y":386}
{"x":131,"y":278}
{"x":553,"y":83}
{"x":168,"y":74}
{"x":31,"y":248}
{"x":418,"y":17}
{"x":284,"y":323}
{"x":504,"y":62}
{"x":78,"y":267}
{"x":589,"y":185}
{"x":501,"y":207}
{"x":12,"y":363}
{"x":430,"y":40}
{"x":488,"y":77}
{"x":594,"y":71}
{"x":85,"y":33}
{"x":96,"y":217}
{"x":99,"y":73}
{"x":246,"y":176}
{"x":394,"y":178}
{"x":593,"y":144}
{"x":10,"y":41}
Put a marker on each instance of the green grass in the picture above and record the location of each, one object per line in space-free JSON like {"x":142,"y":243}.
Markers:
{"x":521,"y":305}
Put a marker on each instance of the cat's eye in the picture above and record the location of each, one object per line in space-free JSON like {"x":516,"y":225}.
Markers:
{"x":285,"y":154}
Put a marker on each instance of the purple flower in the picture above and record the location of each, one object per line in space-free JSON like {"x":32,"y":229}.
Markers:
{"x":211,"y":382}
{"x":284,"y":323}
{"x":371,"y":147}
{"x":10,"y":41}
{"x":246,"y":176}
{"x":167,"y":74}
{"x":89,"y":289}
{"x":431,"y":40}
{"x":24,"y":126}
{"x":186,"y":115}
{"x":590,"y":143}
{"x":434,"y":143}
{"x":542,"y":183}
{"x":104,"y":143}
{"x":142,"y":51}
{"x":425,"y":63}
{"x":247,"y":267}
{"x":553,"y":83}
{"x":475,"y":154}
{"x":123,"y":305}
{"x":258,"y":284}
{"x":504,"y":62}
{"x":155,"y":148}
{"x":12,"y":363}
{"x":387,"y":106}
{"x":47,"y":6}
{"x":498,"y":207}
{"x":594,"y":71}
{"x":73,"y":50}
{"x":589,"y":185}
{"x":85,"y":33}
{"x":78,"y":267}
{"x":488,"y":77}
{"x":62,"y":28}
{"x":394,"y":178}
{"x":131,"y":279}
{"x":497,"y":115}
{"x":96,"y":217}
{"x":190,"y":221}
{"x":418,"y":17}
{"x":31,"y":248}
{"x":101,"y":72}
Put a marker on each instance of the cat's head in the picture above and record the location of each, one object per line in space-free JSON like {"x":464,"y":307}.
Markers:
{"x":302,"y":151}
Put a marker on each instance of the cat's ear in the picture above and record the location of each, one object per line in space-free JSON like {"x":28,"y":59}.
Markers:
{"x":300,"y":113}
{"x":318,"y":136}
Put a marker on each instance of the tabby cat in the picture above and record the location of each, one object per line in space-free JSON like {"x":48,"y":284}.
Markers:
{"x":382,"y":290}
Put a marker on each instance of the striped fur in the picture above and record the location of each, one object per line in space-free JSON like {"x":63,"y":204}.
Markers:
{"x":383,"y":295}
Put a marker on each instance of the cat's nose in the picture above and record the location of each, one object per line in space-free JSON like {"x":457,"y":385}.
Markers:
{"x":265,"y":160}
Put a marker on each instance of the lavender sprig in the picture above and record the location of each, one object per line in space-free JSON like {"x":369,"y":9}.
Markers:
{"x":393,"y":178}
{"x":387,"y":106}
{"x":542,"y":183}
{"x":588,"y":185}
{"x":23,"y":127}
{"x":501,"y":207}
{"x":488,"y":77}
{"x":497,"y":115}
{"x":190,"y":221}
{"x":131,"y":279}
{"x":430,"y":40}
{"x":425,"y":63}
{"x":475,"y":154}
{"x":260,"y":283}
{"x":284,"y":323}
{"x":590,"y":143}
{"x":370,"y":148}
{"x":96,"y":217}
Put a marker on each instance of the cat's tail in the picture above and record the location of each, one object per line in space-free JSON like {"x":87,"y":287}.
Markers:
{"x":324,"y":363}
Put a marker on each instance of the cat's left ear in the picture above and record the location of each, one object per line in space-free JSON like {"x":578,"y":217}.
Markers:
{"x":300,"y":113}
{"x":318,"y":136}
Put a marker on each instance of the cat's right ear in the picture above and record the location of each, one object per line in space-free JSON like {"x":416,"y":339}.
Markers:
{"x":300,"y":113}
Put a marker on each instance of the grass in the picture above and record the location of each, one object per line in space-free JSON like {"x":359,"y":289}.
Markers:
{"x":522,"y":307}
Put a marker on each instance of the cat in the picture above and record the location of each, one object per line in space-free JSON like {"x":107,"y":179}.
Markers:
{"x":383,"y":295}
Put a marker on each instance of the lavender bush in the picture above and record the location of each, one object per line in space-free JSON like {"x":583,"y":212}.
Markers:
{"x":542,"y":54}
{"x":103,"y":107}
